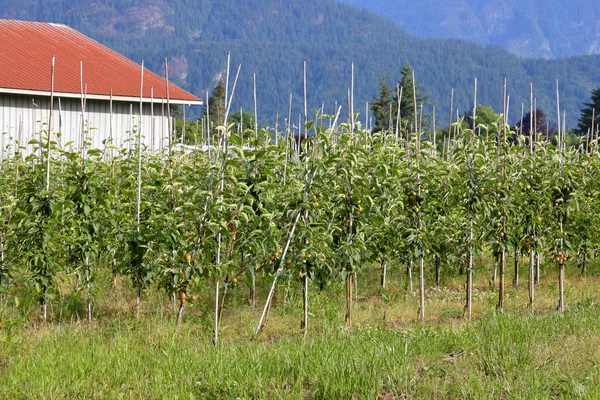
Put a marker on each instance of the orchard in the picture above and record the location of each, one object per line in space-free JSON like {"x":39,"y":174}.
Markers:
{"x":312,"y":211}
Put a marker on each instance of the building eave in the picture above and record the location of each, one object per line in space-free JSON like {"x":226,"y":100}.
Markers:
{"x":89,"y":96}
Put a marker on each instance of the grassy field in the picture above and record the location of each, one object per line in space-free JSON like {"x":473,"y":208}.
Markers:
{"x":385,"y":354}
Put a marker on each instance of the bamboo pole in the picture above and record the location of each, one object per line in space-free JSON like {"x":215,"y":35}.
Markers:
{"x":255,"y":109}
{"x":592,"y":128}
{"x":561,"y":266}
{"x":82,"y":133}
{"x":434,"y":132}
{"x":222,"y":181}
{"x":352,"y":98}
{"x":50,"y":124}
{"x":450,"y":121}
{"x":139,"y":148}
{"x":502,"y":261}
{"x":208,"y":131}
{"x":531,"y":278}
{"x":277,"y":275}
{"x":469,"y":302}
{"x":420,"y":221}
{"x":300,"y":129}
{"x":152,"y":127}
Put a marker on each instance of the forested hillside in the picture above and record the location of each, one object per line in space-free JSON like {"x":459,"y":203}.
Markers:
{"x":530,"y":28}
{"x":273,"y":37}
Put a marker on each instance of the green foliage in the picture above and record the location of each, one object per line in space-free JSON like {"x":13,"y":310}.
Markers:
{"x":215,"y":108}
{"x":591,"y":109}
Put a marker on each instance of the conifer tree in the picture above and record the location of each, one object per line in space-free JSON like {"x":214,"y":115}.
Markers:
{"x":216,"y":106}
{"x":381,"y":106}
{"x":585,"y":120}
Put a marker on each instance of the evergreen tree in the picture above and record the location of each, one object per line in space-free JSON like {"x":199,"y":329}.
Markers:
{"x":381,"y":106}
{"x":216,"y":106}
{"x":385,"y":106}
{"x":585,"y":120}
{"x":407,"y":106}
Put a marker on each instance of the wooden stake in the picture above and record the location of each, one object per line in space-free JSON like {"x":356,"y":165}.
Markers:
{"x":50,"y":124}
{"x":255,"y":109}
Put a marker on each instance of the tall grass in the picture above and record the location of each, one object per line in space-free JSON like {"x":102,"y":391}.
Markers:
{"x":387,"y":354}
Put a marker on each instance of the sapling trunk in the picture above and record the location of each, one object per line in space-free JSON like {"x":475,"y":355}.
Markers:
{"x":469,"y":295}
{"x":409,"y":275}
{"x":516,"y":277}
{"x":280,"y":270}
{"x":531,"y":279}
{"x":383,"y":274}
{"x":421,"y":289}
{"x":561,"y":275}
{"x":304,"y":325}
{"x":216,"y":330}
{"x":584,"y":263}
{"x":349,"y":286}
{"x":437,"y":272}
{"x":2,"y":267}
{"x":182,"y":302}
{"x":355,"y":281}
{"x":114,"y":274}
{"x":222,"y":305}
{"x":138,"y":301}
{"x":89,"y":291}
{"x":501,"y":281}
{"x":538,"y":261}
{"x":44,"y":304}
{"x":253,"y":289}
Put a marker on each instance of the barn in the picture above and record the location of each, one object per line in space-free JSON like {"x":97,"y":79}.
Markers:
{"x":96,"y":93}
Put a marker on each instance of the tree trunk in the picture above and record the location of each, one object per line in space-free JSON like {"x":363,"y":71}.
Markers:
{"x":495,"y":274}
{"x":469,"y":296}
{"x":561,"y":287}
{"x":531,"y":279}
{"x":253,"y":290}
{"x":421,"y":289}
{"x":89,"y":302}
{"x":437,"y":272}
{"x":179,"y":316}
{"x":349,"y":286}
{"x":383,"y":274}
{"x":304,"y":324}
{"x":501,"y":282}
{"x":355,"y":281}
{"x":44,"y":305}
{"x":114,"y":273}
{"x":138,"y":300}
{"x":221,"y":306}
{"x":537,"y":268}
{"x":216,"y":330}
{"x":584,"y":265}
{"x":409,"y":272}
{"x":516,"y":278}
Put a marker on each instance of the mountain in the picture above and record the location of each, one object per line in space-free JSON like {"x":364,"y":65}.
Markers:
{"x":529,"y":28}
{"x":272,"y":38}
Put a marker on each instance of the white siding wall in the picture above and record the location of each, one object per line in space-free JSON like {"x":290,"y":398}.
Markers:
{"x":22,"y":118}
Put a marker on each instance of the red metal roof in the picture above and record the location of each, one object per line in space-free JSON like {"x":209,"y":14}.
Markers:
{"x":26,"y":50}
